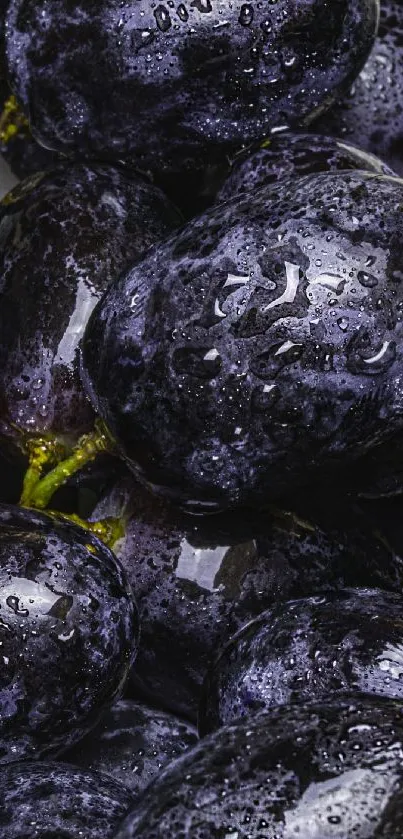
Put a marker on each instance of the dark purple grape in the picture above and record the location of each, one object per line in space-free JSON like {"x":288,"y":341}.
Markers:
{"x":391,"y":823}
{"x":132,"y":743}
{"x":308,"y":650}
{"x":68,"y":632}
{"x":197,"y":581}
{"x":267,"y":349}
{"x":372,"y":114}
{"x":290,"y":155}
{"x":64,"y":235}
{"x":57,"y":801}
{"x":176,"y":85}
{"x":314,"y":771}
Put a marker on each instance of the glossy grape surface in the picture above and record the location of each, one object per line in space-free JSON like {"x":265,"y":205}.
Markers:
{"x":371,"y":115}
{"x":294,"y":154}
{"x":57,"y":801}
{"x":68,"y":631}
{"x":197,"y":581}
{"x":308,"y":650}
{"x":174,"y":85}
{"x":132,"y":743}
{"x":265,"y":344}
{"x":64,"y":236}
{"x":323,"y":770}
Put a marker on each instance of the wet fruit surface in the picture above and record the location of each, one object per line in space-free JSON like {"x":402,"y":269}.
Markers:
{"x":372,"y":115}
{"x":198,"y":581}
{"x":132,"y":743}
{"x":64,"y":236}
{"x":290,"y":155}
{"x":320,"y":770}
{"x":308,"y":650}
{"x":263,"y":345}
{"x":236,"y":675}
{"x":176,"y":83}
{"x":50,"y":800}
{"x":68,"y":627}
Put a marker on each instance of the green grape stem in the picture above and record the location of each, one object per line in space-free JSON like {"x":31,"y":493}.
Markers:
{"x":88,"y":447}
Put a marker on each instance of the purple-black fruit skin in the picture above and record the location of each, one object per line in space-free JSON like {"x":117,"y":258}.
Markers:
{"x":59,"y":801}
{"x":265,"y":344}
{"x":307,"y":650}
{"x":310,"y":770}
{"x":69,"y":633}
{"x":294,"y":154}
{"x":64,"y":236}
{"x":198,"y":580}
{"x":371,"y":115}
{"x":132,"y":743}
{"x":176,"y":87}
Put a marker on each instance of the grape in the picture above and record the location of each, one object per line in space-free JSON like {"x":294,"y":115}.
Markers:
{"x":391,"y":823}
{"x":177,"y":86}
{"x":132,"y":743}
{"x":371,"y":115}
{"x":56,"y":801}
{"x":289,"y":155}
{"x":198,"y":580}
{"x":64,"y":236}
{"x":267,"y":351}
{"x":68,"y":630}
{"x":306,"y":650}
{"x":313,"y":770}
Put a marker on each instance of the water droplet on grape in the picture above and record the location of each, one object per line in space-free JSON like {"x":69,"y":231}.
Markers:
{"x":163,"y":18}
{"x":182,"y":13}
{"x":367,"y":280}
{"x":246,"y":14}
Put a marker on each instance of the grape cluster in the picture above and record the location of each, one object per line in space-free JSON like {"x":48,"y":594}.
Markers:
{"x":201,"y":419}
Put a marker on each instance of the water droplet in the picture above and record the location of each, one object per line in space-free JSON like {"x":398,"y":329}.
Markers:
{"x":268,"y":364}
{"x":211,"y":355}
{"x":288,"y":345}
{"x":246,"y":14}
{"x":66,"y":637}
{"x":332,"y":281}
{"x":182,"y":13}
{"x":147,"y":37}
{"x":379,"y":355}
{"x":370,"y":261}
{"x":13,"y":603}
{"x":236,"y":280}
{"x":367,"y":280}
{"x":292,"y":279}
{"x":342,"y":323}
{"x":217,"y":311}
{"x":163,"y":18}
{"x":203,"y":6}
{"x":365,"y":357}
